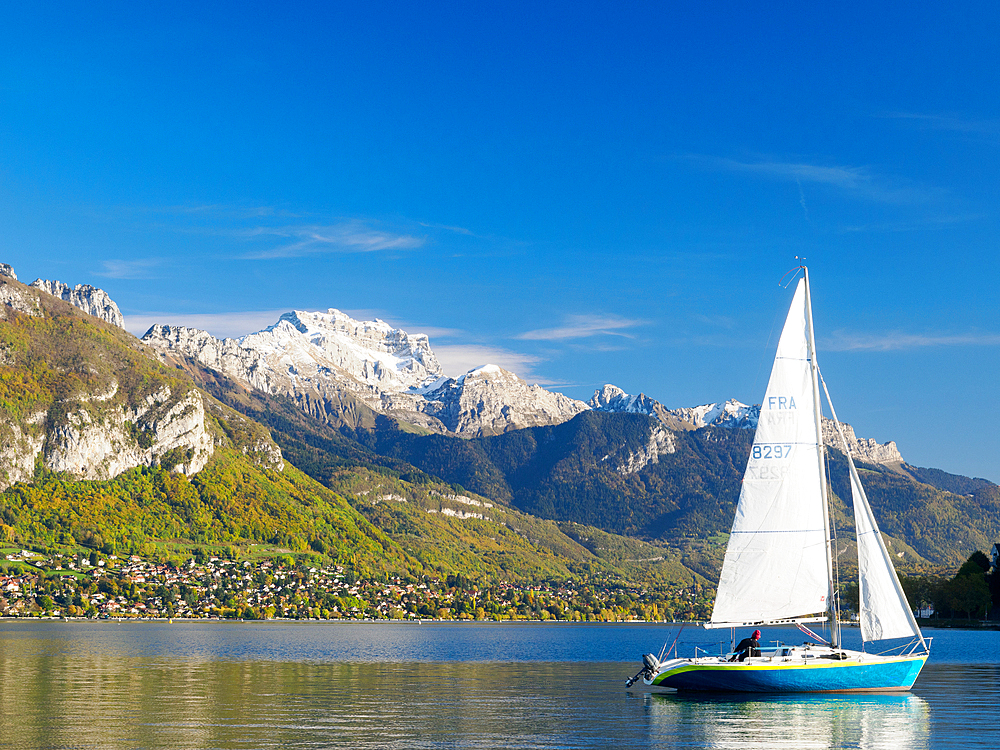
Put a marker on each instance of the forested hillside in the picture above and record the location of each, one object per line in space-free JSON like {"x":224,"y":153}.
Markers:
{"x":571,"y":472}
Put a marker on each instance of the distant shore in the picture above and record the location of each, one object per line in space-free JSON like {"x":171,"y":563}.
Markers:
{"x":944,"y":623}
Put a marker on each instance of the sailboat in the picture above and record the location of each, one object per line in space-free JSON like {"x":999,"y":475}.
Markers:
{"x":779,"y":567}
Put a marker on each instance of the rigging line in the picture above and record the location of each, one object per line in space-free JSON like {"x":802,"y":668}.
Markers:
{"x":790,"y":275}
{"x":833,"y":529}
{"x":672,"y":644}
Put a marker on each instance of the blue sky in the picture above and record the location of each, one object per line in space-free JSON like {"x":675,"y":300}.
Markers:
{"x":579,"y":192}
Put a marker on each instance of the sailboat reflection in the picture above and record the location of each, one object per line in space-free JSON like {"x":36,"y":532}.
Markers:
{"x":868,"y":722}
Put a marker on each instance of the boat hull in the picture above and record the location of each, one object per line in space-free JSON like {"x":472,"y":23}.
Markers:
{"x":863,"y":674}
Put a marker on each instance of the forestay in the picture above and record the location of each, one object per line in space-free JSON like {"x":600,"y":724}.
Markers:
{"x":776,"y":563}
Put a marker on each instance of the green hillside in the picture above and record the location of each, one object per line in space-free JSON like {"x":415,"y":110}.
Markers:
{"x":508,"y":544}
{"x":150,"y":511}
{"x":61,"y":363}
{"x":59,"y":359}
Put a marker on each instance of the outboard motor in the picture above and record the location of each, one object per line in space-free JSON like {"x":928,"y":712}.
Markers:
{"x":650,"y":665}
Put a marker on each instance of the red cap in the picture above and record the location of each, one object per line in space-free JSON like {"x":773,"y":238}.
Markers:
{"x":756,"y":635}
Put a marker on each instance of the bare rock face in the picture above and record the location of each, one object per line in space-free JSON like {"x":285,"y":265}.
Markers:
{"x":103,"y":448}
{"x":661,"y":442}
{"x":327,"y":360}
{"x":94,"y":441}
{"x":18,"y":299}
{"x":868,"y":450}
{"x":491,"y":401}
{"x":88,"y":298}
{"x":19,"y":448}
{"x":7,"y":271}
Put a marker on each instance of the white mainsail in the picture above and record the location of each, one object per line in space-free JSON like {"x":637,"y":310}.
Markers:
{"x":776,"y":565}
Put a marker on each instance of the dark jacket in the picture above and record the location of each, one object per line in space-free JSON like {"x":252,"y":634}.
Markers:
{"x":746,"y":647}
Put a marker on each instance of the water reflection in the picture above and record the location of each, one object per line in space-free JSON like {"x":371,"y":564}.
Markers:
{"x":105,"y":685}
{"x":869,"y":722}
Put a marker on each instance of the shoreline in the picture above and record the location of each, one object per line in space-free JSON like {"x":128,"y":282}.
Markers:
{"x":924,"y":624}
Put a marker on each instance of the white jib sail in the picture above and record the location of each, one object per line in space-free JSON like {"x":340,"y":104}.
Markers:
{"x":776,"y":562}
{"x":885,"y":612}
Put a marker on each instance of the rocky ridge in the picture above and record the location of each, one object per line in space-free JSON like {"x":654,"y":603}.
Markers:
{"x":88,"y":298}
{"x":319,"y":358}
{"x":732,"y":414}
{"x":328,"y":361}
{"x":868,"y":450}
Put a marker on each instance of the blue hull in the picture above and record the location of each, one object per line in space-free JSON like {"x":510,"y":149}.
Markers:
{"x":883,"y":675}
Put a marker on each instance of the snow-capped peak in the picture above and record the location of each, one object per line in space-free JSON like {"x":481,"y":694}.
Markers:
{"x":372,"y":352}
{"x":315,"y":356}
{"x":730,"y":413}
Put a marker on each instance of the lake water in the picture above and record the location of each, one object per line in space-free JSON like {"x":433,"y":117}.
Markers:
{"x":443,"y":685}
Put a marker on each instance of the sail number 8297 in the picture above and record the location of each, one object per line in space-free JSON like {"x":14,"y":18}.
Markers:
{"x":772,"y":450}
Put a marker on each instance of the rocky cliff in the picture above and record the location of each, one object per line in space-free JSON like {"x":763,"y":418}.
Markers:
{"x":868,"y":450}
{"x":90,"y":299}
{"x":85,"y":399}
{"x":491,"y":400}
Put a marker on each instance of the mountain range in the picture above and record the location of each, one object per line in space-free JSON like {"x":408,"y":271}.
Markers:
{"x":366,"y":411}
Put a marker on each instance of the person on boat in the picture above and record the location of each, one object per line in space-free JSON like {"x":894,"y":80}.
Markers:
{"x":747,"y":647}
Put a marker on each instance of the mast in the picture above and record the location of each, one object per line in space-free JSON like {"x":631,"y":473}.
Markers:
{"x":814,"y":373}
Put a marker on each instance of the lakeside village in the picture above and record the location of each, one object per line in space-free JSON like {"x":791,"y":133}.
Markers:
{"x":41,"y":585}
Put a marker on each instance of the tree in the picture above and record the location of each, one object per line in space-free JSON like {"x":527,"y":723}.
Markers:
{"x":922,"y":591}
{"x":977,"y":564}
{"x":968,"y":594}
{"x":968,"y":591}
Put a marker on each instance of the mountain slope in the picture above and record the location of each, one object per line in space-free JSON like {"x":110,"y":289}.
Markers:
{"x":81,"y":396}
{"x":420,"y":512}
{"x":84,"y":398}
{"x":587,"y":471}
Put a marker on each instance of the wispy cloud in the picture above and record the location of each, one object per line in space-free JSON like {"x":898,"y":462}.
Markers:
{"x":860,"y":182}
{"x":584,"y":326}
{"x":456,"y":230}
{"x":846,"y":341}
{"x":220,"y":211}
{"x":458,"y":359}
{"x":918,"y":224}
{"x":949,"y":122}
{"x":346,"y":237}
{"x":221,"y":325}
{"x":129,"y":269}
